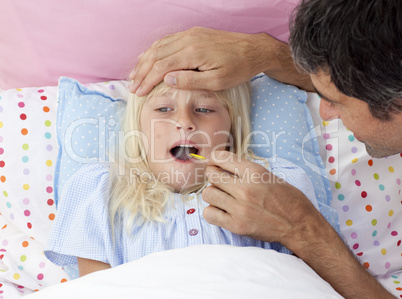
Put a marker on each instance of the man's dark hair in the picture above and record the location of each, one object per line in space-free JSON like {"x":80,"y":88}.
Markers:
{"x":358,"y":43}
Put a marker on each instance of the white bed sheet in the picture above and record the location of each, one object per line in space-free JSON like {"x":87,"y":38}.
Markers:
{"x":203,"y":271}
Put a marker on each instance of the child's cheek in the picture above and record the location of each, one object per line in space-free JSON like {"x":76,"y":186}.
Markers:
{"x":221,"y":139}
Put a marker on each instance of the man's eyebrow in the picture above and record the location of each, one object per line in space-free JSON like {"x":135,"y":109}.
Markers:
{"x":324,"y":97}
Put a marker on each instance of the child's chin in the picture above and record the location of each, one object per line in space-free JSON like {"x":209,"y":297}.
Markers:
{"x":183,"y":178}
{"x":188,"y":187}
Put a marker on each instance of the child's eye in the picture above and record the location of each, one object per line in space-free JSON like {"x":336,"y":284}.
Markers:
{"x":203,"y":110}
{"x":164,"y":109}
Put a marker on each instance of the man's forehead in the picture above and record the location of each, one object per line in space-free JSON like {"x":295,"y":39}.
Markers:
{"x":325,"y":97}
{"x":324,"y":87}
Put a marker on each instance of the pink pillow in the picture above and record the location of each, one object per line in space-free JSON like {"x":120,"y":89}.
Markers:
{"x":99,"y":40}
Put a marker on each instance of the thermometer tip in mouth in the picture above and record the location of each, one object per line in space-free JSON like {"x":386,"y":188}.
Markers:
{"x":198,"y":157}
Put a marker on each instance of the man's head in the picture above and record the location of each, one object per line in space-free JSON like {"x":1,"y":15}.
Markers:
{"x":353,"y":52}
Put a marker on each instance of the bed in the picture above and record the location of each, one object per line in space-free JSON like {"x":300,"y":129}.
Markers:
{"x":58,"y":41}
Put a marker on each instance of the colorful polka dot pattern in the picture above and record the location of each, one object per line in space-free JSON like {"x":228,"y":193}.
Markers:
{"x":28,"y":150}
{"x":367,"y":195}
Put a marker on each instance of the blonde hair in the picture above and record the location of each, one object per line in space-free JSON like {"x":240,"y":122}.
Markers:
{"x":144,"y":199}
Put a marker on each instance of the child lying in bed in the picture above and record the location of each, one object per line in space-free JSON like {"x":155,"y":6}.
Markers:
{"x":150,"y":200}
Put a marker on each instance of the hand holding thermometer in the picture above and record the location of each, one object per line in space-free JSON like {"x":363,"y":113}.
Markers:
{"x":199,"y":157}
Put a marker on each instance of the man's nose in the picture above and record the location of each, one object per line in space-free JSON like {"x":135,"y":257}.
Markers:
{"x":328,"y":111}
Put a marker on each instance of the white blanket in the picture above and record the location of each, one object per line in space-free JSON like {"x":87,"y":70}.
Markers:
{"x":203,"y":271}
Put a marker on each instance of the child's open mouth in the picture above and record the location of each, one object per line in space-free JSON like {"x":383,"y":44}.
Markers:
{"x":182,"y":152}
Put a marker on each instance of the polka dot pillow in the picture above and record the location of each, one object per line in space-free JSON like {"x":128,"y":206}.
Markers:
{"x":367,"y":195}
{"x":28,"y":153}
{"x":28,"y":158}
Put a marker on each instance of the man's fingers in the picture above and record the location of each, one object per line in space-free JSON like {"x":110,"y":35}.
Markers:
{"x":233,"y":163}
{"x":192,"y":79}
{"x":160,"y":50}
{"x":216,"y":216}
{"x":218,"y":211}
{"x":221,"y":180}
{"x":212,"y":53}
{"x":140,"y":72}
{"x":157,"y":72}
{"x":217,"y":198}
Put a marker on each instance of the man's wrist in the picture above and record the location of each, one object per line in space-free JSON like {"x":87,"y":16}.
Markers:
{"x":320,"y":246}
{"x":273,"y":57}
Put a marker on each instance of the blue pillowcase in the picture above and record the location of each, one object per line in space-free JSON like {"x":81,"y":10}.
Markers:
{"x":283,"y":127}
{"x":87,"y":121}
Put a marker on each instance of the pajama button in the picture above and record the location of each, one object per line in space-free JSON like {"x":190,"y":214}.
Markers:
{"x":190,"y":211}
{"x":193,"y":232}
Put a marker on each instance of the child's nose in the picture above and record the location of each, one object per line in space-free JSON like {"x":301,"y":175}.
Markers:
{"x":185,"y":122}
{"x":327,"y":111}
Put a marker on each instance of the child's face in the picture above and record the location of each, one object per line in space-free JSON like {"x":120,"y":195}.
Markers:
{"x":191,"y":122}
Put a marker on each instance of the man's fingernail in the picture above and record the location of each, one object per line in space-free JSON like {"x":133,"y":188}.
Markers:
{"x":171,"y":81}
